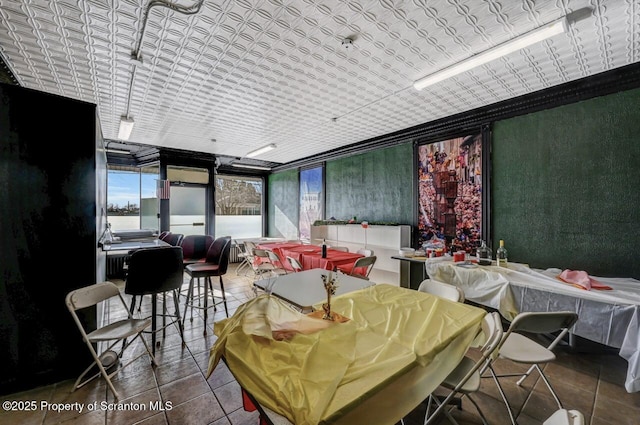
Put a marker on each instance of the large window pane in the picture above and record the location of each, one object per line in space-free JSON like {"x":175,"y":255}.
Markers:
{"x":131,"y":198}
{"x":238,"y":206}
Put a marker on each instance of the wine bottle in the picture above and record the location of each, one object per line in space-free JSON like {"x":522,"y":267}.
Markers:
{"x":483,"y":254}
{"x":501,"y":255}
{"x":324,"y":249}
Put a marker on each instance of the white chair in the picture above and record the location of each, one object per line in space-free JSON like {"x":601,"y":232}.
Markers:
{"x":112,"y":333}
{"x":295,"y":264}
{"x":246,"y":256}
{"x":565,"y":417}
{"x":365,"y":252}
{"x":278,"y":267}
{"x":441,"y":289}
{"x":340,"y":248}
{"x":465,"y":378}
{"x":520,"y":349}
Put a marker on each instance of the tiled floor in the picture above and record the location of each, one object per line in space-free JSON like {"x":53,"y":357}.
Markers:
{"x":589,"y":379}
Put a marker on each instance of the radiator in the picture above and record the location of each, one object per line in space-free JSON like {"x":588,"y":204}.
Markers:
{"x":115,"y":265}
{"x":233,"y":254}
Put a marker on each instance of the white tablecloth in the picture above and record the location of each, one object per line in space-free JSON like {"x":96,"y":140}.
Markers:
{"x":610,"y":317}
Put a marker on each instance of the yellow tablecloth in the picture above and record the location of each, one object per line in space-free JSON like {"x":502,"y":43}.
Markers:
{"x":399,"y":341}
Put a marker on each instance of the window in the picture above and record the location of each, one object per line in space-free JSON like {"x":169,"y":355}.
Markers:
{"x":238,"y":206}
{"x":131,"y":197}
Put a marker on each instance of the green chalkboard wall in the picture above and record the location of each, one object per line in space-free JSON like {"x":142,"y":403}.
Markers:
{"x":374,"y":186}
{"x":565,"y":186}
{"x":283,"y":204}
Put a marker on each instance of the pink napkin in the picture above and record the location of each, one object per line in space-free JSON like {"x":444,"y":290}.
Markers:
{"x":580,"y":279}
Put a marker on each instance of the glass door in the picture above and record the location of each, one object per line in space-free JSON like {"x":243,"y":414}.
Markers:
{"x":188,"y":210}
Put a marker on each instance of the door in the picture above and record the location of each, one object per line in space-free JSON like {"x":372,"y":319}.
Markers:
{"x":187,"y":210}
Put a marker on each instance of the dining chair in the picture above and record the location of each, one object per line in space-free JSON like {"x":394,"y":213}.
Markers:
{"x":465,"y":378}
{"x":365,"y":252}
{"x":521,"y":349}
{"x":441,"y":289}
{"x":245,"y":256}
{"x":194,"y":248}
{"x":295,"y":264}
{"x":363,"y":262}
{"x":216,"y":264}
{"x":565,"y":417}
{"x":174,"y":239}
{"x":157,"y":271}
{"x":340,"y":248}
{"x":111,"y":333}
{"x":278,"y":267}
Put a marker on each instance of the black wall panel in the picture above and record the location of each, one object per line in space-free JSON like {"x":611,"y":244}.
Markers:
{"x":48,"y":238}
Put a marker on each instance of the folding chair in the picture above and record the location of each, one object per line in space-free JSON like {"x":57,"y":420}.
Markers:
{"x":465,"y":378}
{"x":367,"y":262}
{"x":295,"y":264}
{"x":565,"y":417}
{"x":441,"y":289}
{"x":520,"y":349}
{"x":114,"y":333}
{"x":246,"y":254}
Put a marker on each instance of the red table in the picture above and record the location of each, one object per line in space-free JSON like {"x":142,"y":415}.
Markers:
{"x":310,"y":256}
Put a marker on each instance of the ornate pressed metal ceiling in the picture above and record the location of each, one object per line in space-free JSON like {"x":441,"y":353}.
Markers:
{"x":250,"y":73}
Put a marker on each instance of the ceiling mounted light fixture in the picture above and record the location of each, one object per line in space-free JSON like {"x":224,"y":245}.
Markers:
{"x":539,"y":34}
{"x":261,"y":150}
{"x":126,"y":127}
{"x":253,"y":167}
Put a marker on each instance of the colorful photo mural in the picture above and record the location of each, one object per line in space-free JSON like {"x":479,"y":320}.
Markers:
{"x":450,"y":192}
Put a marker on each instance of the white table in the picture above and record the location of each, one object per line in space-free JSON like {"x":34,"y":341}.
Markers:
{"x":611,"y":318}
{"x":305,"y":288}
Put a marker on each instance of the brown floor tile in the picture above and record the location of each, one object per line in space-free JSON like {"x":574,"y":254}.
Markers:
{"x":170,"y":372}
{"x":229,"y":396}
{"x":242,"y":417}
{"x":134,"y":409}
{"x":184,"y":389}
{"x":157,"y":419}
{"x":201,"y":410}
{"x":616,"y":413}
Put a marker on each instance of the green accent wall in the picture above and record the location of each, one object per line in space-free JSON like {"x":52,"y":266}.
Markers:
{"x":374,"y":186}
{"x":565,"y":186}
{"x":283,"y":204}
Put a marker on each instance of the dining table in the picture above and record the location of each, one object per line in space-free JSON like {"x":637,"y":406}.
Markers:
{"x":609,"y":317}
{"x":390,"y":349}
{"x":305,"y":289}
{"x":310,"y":257}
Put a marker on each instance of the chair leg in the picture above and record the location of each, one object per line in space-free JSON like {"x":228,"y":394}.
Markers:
{"x":154,"y":311}
{"x":224,"y":297}
{"x":164,"y":315}
{"x":546,"y":381}
{"x":442,"y":407}
{"x":177,"y":306}
{"x":504,"y":396}
{"x":206,"y":299}
{"x":188,"y":300}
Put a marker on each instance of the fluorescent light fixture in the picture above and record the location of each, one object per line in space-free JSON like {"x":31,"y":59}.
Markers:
{"x":253,"y":167}
{"x":532,"y":37}
{"x":114,"y":150}
{"x":126,"y":127}
{"x":261,"y":150}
